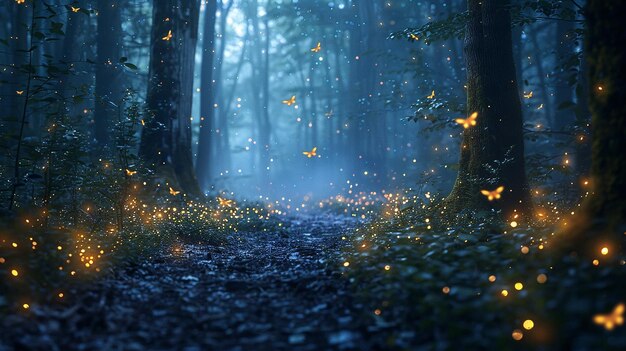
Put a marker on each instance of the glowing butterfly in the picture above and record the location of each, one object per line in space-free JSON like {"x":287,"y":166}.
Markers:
{"x":493,"y":194}
{"x":143,"y":123}
{"x":414,"y":37}
{"x":612,"y":319}
{"x":75,"y":9}
{"x":540,"y":107}
{"x":311,"y":153}
{"x":130,"y":173}
{"x":329,"y":113}
{"x":432,"y":95}
{"x":290,"y":101}
{"x":225,"y":202}
{"x":19,"y":92}
{"x":20,"y":1}
{"x":317,"y":48}
{"x":469,"y":121}
{"x":529,"y":95}
{"x":174,"y":192}
{"x":168,"y":36}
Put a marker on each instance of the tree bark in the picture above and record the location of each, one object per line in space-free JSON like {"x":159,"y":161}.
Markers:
{"x":492,"y":152}
{"x":605,"y":210}
{"x":108,"y":90}
{"x":207,"y":98}
{"x":166,"y":136}
{"x":564,"y":92}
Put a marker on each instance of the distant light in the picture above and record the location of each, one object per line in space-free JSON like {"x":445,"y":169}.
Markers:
{"x":517,"y":335}
{"x":542,"y":278}
{"x":519,"y":286}
{"x":604,"y":251}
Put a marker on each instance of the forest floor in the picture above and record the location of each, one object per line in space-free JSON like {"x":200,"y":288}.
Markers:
{"x":258,"y":291}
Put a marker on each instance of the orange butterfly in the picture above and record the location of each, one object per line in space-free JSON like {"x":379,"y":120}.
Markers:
{"x":143,"y":123}
{"x":290,"y":101}
{"x":20,"y":1}
{"x":75,"y":9}
{"x":432,"y":95}
{"x":414,"y":37}
{"x":493,"y":194}
{"x":174,"y":192}
{"x":529,"y":95}
{"x":224,"y":202}
{"x":469,"y":121}
{"x":612,"y":319}
{"x":19,"y":92}
{"x":168,"y":36}
{"x":317,"y":48}
{"x":311,"y":153}
{"x":130,"y":173}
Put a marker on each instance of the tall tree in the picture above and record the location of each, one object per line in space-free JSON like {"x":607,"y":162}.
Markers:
{"x":207,"y":98}
{"x":108,"y":91}
{"x":166,"y":136}
{"x":565,"y":49}
{"x":492,"y":152}
{"x":605,"y":210}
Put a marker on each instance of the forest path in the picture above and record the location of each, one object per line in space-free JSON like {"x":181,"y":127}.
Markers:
{"x":261,"y":291}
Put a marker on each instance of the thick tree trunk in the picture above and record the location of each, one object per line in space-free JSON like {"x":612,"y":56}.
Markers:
{"x":108,"y":85}
{"x":207,"y":99}
{"x":492,"y":152}
{"x":166,"y":137}
{"x":605,"y":210}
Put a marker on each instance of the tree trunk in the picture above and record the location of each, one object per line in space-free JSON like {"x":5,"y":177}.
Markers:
{"x":492,"y":152}
{"x":108,"y":74}
{"x":541,"y":76}
{"x":564,"y":118}
{"x":222,"y":155}
{"x":605,"y":210}
{"x":207,"y":98}
{"x":166,"y":137}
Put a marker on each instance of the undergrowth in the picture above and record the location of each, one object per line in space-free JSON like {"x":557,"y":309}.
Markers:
{"x":432,"y":285}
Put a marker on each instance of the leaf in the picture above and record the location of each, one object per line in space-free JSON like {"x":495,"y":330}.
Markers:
{"x":131,"y":66}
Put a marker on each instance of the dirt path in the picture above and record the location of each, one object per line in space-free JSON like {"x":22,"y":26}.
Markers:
{"x":262,"y":291}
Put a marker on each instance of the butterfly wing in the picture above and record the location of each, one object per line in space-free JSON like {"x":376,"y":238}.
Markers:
{"x":599,"y":319}
{"x":619,"y":309}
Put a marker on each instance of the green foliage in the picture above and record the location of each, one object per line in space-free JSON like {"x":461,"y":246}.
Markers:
{"x":71,"y":210}
{"x":449,"y":28}
{"x":428,"y":284}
